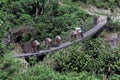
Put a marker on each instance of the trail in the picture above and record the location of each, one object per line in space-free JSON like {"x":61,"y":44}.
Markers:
{"x":99,"y":12}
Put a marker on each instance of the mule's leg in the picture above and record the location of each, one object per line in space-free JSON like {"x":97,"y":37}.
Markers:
{"x":46,"y":46}
{"x":49,"y":46}
{"x":72,"y":38}
{"x":79,"y":35}
{"x":34,"y":49}
{"x":38,"y":47}
{"x":75,"y":36}
{"x":57,"y":44}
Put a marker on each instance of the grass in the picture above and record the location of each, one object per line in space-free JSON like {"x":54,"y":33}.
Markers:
{"x":84,"y":6}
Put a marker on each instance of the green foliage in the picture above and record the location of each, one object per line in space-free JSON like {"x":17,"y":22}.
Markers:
{"x":92,"y":57}
{"x":67,"y":10}
{"x":75,"y":60}
{"x":113,"y":27}
{"x":56,"y":19}
{"x":115,"y":77}
{"x":42,"y":72}
{"x":24,"y":18}
{"x":3,"y":2}
{"x":64,"y":20}
{"x":12,"y":69}
{"x":2,"y":49}
{"x":32,"y":61}
{"x":107,"y":4}
{"x":8,"y":67}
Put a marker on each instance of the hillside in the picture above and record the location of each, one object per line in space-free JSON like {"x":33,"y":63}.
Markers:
{"x":27,"y":20}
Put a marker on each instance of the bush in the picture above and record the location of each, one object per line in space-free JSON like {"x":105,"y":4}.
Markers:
{"x":66,"y":10}
{"x":8,"y":67}
{"x":108,"y":4}
{"x":42,"y":72}
{"x":90,"y":56}
{"x":24,"y":18}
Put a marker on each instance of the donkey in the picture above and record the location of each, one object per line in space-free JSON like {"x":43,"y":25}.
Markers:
{"x":35,"y":45}
{"x":76,"y":33}
{"x":48,"y":42}
{"x":57,"y":40}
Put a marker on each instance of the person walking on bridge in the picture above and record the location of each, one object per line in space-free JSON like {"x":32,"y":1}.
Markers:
{"x":82,"y":31}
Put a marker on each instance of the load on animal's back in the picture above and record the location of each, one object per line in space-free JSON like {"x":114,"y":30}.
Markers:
{"x":57,"y":40}
{"x":74,"y":34}
{"x":77,"y":33}
{"x":48,"y":42}
{"x":36,"y":45}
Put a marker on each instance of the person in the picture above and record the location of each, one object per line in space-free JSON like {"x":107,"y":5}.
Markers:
{"x":82,"y":31}
{"x":108,"y":18}
{"x":95,"y":20}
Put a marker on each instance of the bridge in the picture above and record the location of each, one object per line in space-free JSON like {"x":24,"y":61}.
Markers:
{"x":87,"y":34}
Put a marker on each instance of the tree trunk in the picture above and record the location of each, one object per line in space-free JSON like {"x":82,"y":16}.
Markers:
{"x":37,"y":9}
{"x":108,"y":73}
{"x":42,"y":11}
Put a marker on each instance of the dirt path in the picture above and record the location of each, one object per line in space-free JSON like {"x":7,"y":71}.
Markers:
{"x":99,"y":12}
{"x":86,"y":10}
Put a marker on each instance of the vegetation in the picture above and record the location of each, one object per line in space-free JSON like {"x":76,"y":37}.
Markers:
{"x":49,"y":20}
{"x":12,"y":70}
{"x":90,"y":56}
{"x":106,"y":4}
{"x":89,"y":60}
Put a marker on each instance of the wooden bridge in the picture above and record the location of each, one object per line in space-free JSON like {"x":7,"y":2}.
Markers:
{"x":87,"y":34}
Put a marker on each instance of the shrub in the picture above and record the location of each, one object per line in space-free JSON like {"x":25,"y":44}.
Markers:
{"x":8,"y":67}
{"x":92,"y":57}
{"x":42,"y":72}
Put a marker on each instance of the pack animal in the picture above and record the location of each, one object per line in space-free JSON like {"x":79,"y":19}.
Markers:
{"x":76,"y":33}
{"x":57,"y":40}
{"x":35,"y":45}
{"x":48,"y":42}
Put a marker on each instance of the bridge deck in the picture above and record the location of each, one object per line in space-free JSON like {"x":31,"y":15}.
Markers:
{"x":86,"y":35}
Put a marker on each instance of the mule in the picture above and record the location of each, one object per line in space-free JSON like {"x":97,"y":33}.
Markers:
{"x":48,"y":42}
{"x":76,"y":33}
{"x":57,"y":40}
{"x":35,"y":45}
